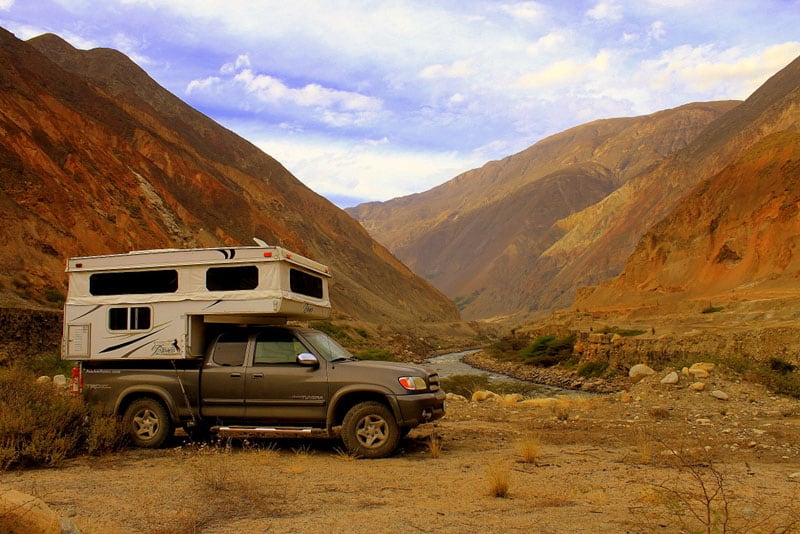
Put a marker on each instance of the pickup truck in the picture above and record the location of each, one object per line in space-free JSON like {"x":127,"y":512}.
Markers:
{"x":268,"y":381}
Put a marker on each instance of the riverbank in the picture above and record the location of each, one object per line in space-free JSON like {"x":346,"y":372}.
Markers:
{"x":555,"y":377}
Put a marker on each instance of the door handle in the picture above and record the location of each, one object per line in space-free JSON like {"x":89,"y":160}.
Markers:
{"x":236,"y":375}
{"x":258,"y":375}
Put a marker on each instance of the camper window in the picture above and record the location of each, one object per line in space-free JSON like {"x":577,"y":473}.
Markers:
{"x":136,"y":318}
{"x":232,"y":278}
{"x":305,"y":284}
{"x":134,"y":282}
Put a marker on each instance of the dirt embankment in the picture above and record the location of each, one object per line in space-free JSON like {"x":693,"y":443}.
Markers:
{"x":25,"y":332}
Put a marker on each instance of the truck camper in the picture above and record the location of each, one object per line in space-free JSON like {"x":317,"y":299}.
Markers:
{"x":200,"y":339}
{"x":157,"y":303}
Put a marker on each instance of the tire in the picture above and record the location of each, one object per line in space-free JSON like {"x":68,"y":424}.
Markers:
{"x":147,"y":423}
{"x":369,"y":430}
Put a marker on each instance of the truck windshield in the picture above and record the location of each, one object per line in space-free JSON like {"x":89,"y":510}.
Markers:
{"x":327,"y":347}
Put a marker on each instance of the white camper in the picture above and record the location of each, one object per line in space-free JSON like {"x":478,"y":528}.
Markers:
{"x":155,"y":304}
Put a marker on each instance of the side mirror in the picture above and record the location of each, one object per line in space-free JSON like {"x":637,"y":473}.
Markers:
{"x":307,"y":359}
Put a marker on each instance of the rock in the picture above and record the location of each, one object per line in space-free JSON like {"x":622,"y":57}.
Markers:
{"x":25,"y":513}
{"x":60,"y":381}
{"x":795,"y":475}
{"x":671,"y":378}
{"x":454,"y":397}
{"x":685,"y":372}
{"x":705,"y":366}
{"x":482,"y":395}
{"x":43,"y":380}
{"x":640,"y":370}
{"x":512,"y":398}
{"x":721,"y":395}
{"x":699,"y":374}
{"x":625,"y":397}
{"x":697,"y":386}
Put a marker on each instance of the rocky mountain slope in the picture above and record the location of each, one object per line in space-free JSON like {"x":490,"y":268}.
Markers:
{"x":492,"y":238}
{"x":97,"y":158}
{"x":727,"y":206}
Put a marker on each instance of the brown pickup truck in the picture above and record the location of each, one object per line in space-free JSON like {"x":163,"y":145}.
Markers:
{"x":268,"y":381}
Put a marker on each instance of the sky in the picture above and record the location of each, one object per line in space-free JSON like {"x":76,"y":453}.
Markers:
{"x":368,"y":100}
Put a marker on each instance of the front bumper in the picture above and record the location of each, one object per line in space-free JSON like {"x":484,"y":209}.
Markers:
{"x":416,"y":409}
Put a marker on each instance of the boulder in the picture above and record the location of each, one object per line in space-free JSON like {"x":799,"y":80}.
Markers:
{"x":671,"y":378}
{"x":639,"y":371}
{"x":697,"y":386}
{"x":721,"y":395}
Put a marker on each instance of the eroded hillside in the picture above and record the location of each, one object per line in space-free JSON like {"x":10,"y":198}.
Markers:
{"x":97,"y":158}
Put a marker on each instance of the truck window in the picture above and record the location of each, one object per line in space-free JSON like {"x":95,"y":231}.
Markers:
{"x":277,"y":346}
{"x":134,"y":318}
{"x":134,"y":282}
{"x":238,"y":278}
{"x":230,"y":349}
{"x":305,"y":284}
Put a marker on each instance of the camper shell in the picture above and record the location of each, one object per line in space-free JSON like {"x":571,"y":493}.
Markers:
{"x":159,"y":304}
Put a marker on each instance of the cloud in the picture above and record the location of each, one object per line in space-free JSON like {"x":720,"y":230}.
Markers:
{"x":369,"y":170}
{"x":705,"y":70}
{"x":457,"y":69}
{"x":528,"y":11}
{"x":606,"y":10}
{"x":567,"y":71}
{"x":6,"y":5}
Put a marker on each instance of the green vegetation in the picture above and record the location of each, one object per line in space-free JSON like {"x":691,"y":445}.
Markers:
{"x":336,"y":332}
{"x":42,"y":426}
{"x":463,"y":302}
{"x":376,"y":354}
{"x":547,"y":351}
{"x":54,"y":297}
{"x":593,"y":369}
{"x":775,"y":374}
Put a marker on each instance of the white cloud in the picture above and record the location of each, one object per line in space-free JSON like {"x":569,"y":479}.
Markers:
{"x":705,"y":70}
{"x":6,"y":5}
{"x":457,"y":69}
{"x":567,"y":71}
{"x":529,"y":11}
{"x":368,"y":169}
{"x":606,"y":10}
{"x":657,"y":30}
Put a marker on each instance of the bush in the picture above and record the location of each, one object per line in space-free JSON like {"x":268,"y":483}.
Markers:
{"x":592,"y":369}
{"x":41,"y":425}
{"x":547,"y":351}
{"x":465,"y":385}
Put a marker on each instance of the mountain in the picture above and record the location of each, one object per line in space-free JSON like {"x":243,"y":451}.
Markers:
{"x":499,"y":240}
{"x":726,"y":210}
{"x":98,"y":158}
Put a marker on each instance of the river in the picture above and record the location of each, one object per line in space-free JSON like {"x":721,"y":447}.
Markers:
{"x":451,"y":364}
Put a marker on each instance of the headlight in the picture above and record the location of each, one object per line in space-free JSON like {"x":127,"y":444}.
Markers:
{"x":413,"y":383}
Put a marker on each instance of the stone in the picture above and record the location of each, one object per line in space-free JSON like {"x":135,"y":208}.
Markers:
{"x":640,"y":370}
{"x":454,"y":397}
{"x":697,"y":386}
{"x":721,"y":395}
{"x":43,"y":380}
{"x":671,"y":378}
{"x":60,"y":381}
{"x":685,"y":372}
{"x":795,"y":475}
{"x":699,"y":373}
{"x":705,"y":366}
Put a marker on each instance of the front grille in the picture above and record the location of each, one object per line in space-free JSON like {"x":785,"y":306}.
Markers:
{"x":433,"y":381}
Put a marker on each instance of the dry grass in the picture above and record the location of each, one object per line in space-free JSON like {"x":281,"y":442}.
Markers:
{"x":435,"y":445}
{"x":530,"y":448}
{"x":498,"y":477}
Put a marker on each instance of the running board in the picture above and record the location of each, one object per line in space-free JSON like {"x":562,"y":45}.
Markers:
{"x":269,"y":431}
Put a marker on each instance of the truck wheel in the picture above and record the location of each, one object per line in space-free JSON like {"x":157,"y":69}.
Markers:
{"x":370,"y":431}
{"x":147,"y":423}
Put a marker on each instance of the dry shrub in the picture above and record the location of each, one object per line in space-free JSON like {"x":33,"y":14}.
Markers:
{"x":39,"y":425}
{"x":645,"y":445}
{"x":530,"y":448}
{"x":499,"y":479}
{"x":435,"y":445}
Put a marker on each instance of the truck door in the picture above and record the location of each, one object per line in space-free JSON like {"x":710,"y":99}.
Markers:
{"x":222,"y":379}
{"x":280,"y":391}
